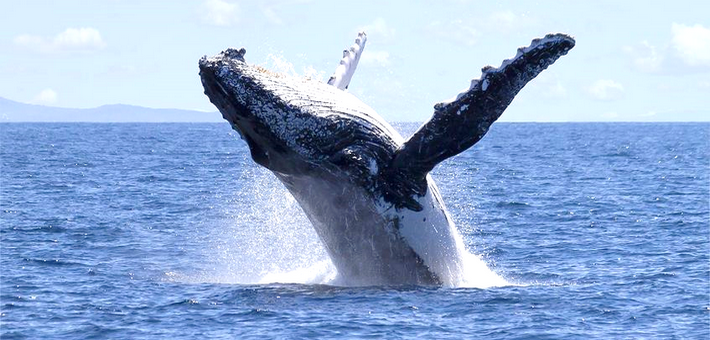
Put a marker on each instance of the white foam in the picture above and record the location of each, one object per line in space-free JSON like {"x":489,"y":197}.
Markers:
{"x":322,"y":272}
{"x":477,"y":274}
{"x":263,"y":236}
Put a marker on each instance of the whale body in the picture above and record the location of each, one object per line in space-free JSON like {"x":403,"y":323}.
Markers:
{"x":365,"y":189}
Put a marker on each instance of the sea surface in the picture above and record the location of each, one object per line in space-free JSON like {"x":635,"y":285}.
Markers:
{"x":170,"y":231}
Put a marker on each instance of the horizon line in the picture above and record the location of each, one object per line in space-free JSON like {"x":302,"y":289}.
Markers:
{"x":503,"y":120}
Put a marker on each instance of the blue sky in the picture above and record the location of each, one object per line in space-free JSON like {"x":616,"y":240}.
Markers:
{"x":634,"y":60}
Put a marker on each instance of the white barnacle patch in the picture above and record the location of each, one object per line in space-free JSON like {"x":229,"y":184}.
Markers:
{"x":484,"y":85}
{"x":373,"y":167}
{"x":461,"y":109}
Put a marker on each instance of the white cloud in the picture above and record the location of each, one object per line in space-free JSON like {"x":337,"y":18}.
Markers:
{"x":506,"y":18}
{"x":271,"y":15}
{"x":688,"y":51}
{"x":271,"y":9}
{"x":71,"y":39}
{"x":456,"y":31}
{"x":47,"y":96}
{"x":550,"y":85}
{"x":380,"y":30}
{"x":556,"y":90}
{"x":606,"y":89}
{"x":469,"y":30}
{"x":507,"y":21}
{"x":32,"y":42}
{"x":646,"y":57}
{"x":220,"y":13}
{"x":79,"y":38}
{"x":692,"y":44}
{"x":648,"y":114}
{"x":611,"y":115}
{"x":381,"y":58}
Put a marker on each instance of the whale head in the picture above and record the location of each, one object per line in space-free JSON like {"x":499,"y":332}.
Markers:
{"x":234,"y":88}
{"x":293,"y":124}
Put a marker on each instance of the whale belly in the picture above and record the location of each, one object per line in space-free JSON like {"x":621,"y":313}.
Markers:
{"x":365,"y":246}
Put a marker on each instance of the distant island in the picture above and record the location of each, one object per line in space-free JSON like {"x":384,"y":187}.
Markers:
{"x":12,"y":111}
{"x":16,"y":112}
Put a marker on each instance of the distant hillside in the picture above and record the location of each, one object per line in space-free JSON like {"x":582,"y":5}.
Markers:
{"x":12,"y":111}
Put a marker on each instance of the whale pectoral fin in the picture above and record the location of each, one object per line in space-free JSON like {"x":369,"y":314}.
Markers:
{"x":459,"y":124}
{"x":345,"y":70}
{"x":400,"y":187}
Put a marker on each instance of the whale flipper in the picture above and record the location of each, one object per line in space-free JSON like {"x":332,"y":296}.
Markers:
{"x":366,"y":193}
{"x":459,"y":124}
{"x":345,"y":70}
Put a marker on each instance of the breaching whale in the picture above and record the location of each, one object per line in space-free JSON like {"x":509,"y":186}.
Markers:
{"x":365,"y":189}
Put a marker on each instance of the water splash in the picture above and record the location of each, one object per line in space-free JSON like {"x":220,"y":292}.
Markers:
{"x":277,"y":63}
{"x":264,"y":237}
{"x":477,"y":274}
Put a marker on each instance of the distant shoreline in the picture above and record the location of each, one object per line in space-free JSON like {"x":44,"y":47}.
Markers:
{"x":497,"y":123}
{"x":16,"y":112}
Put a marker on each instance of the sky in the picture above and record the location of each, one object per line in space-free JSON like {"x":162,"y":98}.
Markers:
{"x":634,"y":60}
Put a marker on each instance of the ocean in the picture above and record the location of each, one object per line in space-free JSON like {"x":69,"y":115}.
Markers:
{"x":157,"y":231}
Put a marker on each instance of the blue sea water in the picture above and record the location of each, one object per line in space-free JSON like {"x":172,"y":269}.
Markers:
{"x":154,"y":231}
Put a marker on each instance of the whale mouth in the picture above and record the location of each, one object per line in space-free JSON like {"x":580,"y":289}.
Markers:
{"x":231,"y":109}
{"x":265,"y":148}
{"x":219,"y":96}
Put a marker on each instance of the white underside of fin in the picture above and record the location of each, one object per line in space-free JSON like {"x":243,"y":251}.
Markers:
{"x":345,"y":70}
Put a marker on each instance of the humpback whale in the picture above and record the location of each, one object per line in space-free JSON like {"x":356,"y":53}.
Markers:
{"x":366,"y":190}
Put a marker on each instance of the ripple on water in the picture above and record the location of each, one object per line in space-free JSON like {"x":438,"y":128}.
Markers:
{"x":145,"y":234}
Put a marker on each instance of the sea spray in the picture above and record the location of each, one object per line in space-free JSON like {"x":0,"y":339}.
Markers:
{"x":261,"y":231}
{"x":264,"y":237}
{"x":259,"y":235}
{"x":267,"y":238}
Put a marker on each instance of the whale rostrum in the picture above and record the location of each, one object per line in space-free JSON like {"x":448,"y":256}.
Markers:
{"x":365,"y":189}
